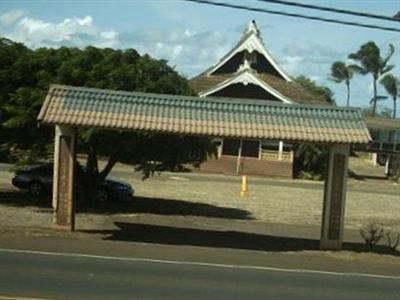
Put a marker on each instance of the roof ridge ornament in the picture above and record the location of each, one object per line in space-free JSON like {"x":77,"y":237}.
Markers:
{"x":244,"y":66}
{"x":252,"y":27}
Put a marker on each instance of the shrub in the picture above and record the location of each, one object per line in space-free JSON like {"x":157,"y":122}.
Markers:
{"x":311,"y":161}
{"x":372,"y":233}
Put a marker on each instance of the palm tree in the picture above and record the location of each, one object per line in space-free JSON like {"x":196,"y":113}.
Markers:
{"x":340,"y":72}
{"x":371,"y":62}
{"x":391,"y":84}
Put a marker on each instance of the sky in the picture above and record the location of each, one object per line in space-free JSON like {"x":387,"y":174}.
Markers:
{"x":194,"y":36}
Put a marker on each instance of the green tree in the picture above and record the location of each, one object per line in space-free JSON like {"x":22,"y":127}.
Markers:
{"x":25,"y":77}
{"x":311,"y":161}
{"x":391,"y":84}
{"x":340,"y":72}
{"x":371,"y":62}
{"x":318,"y":90}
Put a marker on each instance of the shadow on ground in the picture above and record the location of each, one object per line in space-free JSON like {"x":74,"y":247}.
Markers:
{"x":23,"y":199}
{"x":161,"y":206}
{"x":137,"y":232}
{"x":156,"y":206}
{"x":363,"y":177}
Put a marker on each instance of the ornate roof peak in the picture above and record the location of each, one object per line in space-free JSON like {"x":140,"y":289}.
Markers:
{"x":252,"y":28}
{"x":251,"y":43}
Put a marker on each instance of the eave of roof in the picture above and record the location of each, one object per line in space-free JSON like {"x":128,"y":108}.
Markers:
{"x":382,"y":123}
{"x":218,"y":117}
{"x":292,"y":91}
{"x":245,"y":77}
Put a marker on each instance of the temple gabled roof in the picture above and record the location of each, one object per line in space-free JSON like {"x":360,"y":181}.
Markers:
{"x":287,"y":92}
{"x":250,"y":42}
{"x":249,"y":62}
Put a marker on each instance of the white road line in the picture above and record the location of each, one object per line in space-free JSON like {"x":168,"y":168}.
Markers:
{"x":19,"y":298}
{"x":202,"y":264}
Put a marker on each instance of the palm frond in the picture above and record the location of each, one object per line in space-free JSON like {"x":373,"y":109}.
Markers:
{"x":387,"y":69}
{"x":337,"y":80}
{"x":378,"y":98}
{"x":391,"y":84}
{"x":358,"y":69}
{"x":388,"y":56}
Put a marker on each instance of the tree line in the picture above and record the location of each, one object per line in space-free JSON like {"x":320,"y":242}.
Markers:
{"x":25,"y":76}
{"x":368,"y":60}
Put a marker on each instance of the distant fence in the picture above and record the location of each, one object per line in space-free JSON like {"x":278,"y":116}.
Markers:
{"x":274,"y":155}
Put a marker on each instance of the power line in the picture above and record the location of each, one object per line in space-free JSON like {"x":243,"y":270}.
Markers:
{"x":331,"y":9}
{"x":282,"y":13}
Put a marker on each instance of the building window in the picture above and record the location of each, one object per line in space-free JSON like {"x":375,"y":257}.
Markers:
{"x":250,"y":148}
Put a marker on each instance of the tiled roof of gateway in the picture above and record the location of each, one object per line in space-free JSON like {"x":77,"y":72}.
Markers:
{"x":219,"y":117}
{"x":291,"y":90}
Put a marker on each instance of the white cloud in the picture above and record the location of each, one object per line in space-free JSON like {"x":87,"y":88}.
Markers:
{"x":109,"y":35}
{"x":11,"y":17}
{"x":291,"y":63}
{"x":192,"y":52}
{"x":315,"y":78}
{"x":86,"y":21}
{"x":77,"y":32}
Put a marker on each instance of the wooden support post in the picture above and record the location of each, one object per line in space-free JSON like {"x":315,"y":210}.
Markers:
{"x":334,"y":198}
{"x":387,"y":164}
{"x":239,"y":157}
{"x":280,"y":150}
{"x":63,"y":178}
{"x":219,"y":149}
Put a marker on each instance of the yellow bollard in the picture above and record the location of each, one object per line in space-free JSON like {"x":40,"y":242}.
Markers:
{"x":244,"y":190}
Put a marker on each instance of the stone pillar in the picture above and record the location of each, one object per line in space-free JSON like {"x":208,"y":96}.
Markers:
{"x":63,"y":178}
{"x":334,"y":198}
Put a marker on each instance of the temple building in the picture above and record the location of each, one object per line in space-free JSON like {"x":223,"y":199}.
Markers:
{"x":249,"y":71}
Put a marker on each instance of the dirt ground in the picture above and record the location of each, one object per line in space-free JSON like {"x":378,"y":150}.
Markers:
{"x":213,"y":201}
{"x":371,"y":199}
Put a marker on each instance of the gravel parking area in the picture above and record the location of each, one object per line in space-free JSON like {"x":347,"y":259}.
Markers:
{"x":275,"y":201}
{"x":268,"y":201}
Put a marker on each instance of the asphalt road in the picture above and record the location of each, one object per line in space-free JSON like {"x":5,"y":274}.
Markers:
{"x":75,"y":276}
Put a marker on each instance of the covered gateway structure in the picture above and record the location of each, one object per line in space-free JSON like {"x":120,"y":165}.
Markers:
{"x":69,"y":108}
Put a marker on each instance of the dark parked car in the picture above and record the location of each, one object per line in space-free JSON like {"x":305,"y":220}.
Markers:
{"x":38,"y":180}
